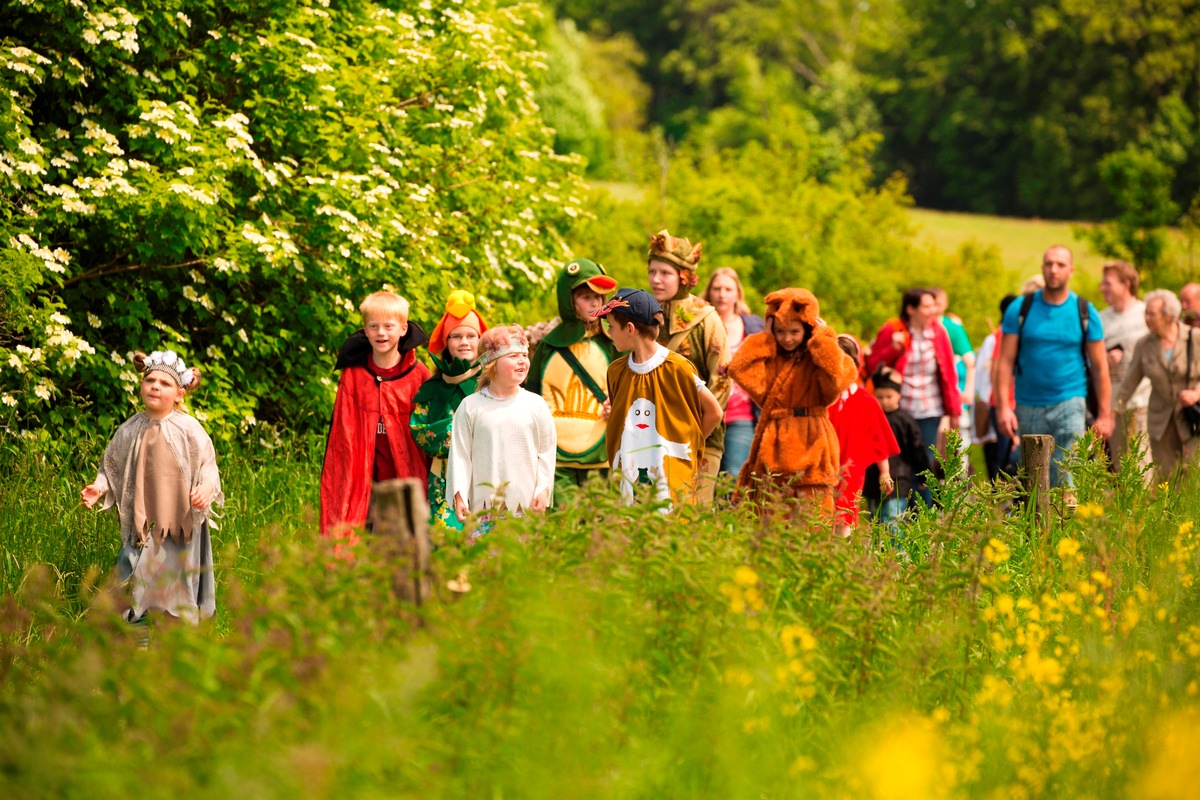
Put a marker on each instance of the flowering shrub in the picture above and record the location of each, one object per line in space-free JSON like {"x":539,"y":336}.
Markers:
{"x":230,"y":182}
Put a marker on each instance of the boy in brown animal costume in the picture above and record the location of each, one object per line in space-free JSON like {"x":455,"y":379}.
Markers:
{"x":793,"y":370}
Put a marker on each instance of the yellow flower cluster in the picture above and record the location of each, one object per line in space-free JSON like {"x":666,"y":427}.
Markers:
{"x":743,"y":593}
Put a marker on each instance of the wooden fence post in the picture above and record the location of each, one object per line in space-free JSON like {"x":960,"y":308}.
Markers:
{"x":1036,"y":451}
{"x":402,"y":529}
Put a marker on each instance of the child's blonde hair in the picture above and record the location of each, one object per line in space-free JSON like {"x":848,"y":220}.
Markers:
{"x":388,"y":305}
{"x":493,"y":345}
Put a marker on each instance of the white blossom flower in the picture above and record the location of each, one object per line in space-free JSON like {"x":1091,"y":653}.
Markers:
{"x":9,"y":400}
{"x":43,"y":390}
{"x":93,"y":320}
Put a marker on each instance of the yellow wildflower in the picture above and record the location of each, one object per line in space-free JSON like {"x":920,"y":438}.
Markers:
{"x":744,"y":576}
{"x":995,"y":551}
{"x":1089,"y":511}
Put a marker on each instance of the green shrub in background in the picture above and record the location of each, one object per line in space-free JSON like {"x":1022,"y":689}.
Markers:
{"x":605,"y":651}
{"x":776,"y":214}
{"x":230,"y":182}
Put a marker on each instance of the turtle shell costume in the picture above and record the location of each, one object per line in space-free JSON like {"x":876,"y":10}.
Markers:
{"x":439,"y":397}
{"x":569,"y":369}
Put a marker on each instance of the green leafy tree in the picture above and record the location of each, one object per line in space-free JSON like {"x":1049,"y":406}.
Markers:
{"x":231,"y":181}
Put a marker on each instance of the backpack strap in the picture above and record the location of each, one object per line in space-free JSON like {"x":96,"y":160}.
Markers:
{"x":1084,"y":319}
{"x":1022,"y":315}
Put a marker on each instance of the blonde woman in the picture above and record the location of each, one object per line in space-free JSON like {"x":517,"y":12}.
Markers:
{"x":724,"y":293}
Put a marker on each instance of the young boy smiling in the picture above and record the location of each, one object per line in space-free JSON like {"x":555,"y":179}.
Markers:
{"x":369,"y":436}
{"x":661,"y":412}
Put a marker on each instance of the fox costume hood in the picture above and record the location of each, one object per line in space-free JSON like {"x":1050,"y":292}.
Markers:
{"x":794,"y":440}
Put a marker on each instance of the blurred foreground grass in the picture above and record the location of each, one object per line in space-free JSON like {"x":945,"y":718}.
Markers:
{"x":613,"y":652}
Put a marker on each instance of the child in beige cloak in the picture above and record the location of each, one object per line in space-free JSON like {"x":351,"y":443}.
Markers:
{"x":160,"y":471}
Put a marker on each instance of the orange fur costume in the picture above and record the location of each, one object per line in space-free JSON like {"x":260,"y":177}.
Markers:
{"x":794,"y":441}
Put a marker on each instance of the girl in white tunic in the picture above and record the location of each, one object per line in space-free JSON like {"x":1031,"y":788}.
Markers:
{"x":160,"y":471}
{"x":503,"y":440}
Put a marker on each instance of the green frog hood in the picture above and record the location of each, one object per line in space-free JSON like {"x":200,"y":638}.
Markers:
{"x":575,"y":274}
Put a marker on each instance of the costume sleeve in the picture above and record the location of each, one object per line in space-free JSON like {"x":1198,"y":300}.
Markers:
{"x":206,"y":457}
{"x":835,"y":370}
{"x":537,"y":362}
{"x":883,"y":350}
{"x":458,"y":467}
{"x":335,"y":471}
{"x":108,"y":463}
{"x":431,"y":419}
{"x":751,"y":365}
{"x":717,"y":358}
{"x":547,"y":445}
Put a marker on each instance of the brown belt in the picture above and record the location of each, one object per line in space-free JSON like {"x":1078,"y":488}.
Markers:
{"x":810,"y":411}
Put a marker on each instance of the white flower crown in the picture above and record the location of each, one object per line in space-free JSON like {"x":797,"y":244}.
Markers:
{"x":168,"y":361}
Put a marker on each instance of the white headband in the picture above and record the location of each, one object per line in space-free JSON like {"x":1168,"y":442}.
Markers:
{"x":168,"y":361}
{"x":513,"y":345}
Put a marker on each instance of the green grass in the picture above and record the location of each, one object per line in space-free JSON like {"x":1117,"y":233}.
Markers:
{"x":612,"y":652}
{"x":1021,"y":242}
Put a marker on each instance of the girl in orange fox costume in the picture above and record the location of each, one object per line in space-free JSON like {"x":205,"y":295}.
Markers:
{"x":793,"y":371}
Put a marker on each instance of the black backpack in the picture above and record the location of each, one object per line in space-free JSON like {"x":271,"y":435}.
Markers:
{"x":1093,"y":405}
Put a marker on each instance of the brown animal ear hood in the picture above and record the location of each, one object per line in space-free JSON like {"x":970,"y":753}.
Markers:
{"x":793,"y":305}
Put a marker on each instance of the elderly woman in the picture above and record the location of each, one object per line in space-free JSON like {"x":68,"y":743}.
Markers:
{"x":725,"y":293}
{"x":1162,"y":356}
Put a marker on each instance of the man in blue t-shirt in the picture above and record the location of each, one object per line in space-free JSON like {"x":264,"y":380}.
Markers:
{"x":1051,"y":382}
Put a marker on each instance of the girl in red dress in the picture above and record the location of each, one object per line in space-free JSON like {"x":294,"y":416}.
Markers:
{"x":864,"y":437}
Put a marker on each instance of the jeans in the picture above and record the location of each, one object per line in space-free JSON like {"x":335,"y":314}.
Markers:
{"x":1065,"y":421}
{"x":929,"y":432}
{"x":738,"y":437}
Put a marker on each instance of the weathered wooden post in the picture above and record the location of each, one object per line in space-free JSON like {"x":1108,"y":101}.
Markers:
{"x":402,"y":530}
{"x":1036,"y":451}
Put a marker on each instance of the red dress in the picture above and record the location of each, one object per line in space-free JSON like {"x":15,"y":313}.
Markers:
{"x":865,"y":438}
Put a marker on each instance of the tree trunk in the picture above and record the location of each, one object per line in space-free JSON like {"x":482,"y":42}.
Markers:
{"x":1036,"y":450}
{"x":402,"y":530}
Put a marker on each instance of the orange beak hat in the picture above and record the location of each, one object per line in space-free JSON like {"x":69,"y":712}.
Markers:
{"x":460,"y":310}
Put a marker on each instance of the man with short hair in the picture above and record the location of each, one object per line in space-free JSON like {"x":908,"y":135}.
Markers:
{"x":1051,"y":374}
{"x":1124,"y":324}
{"x":1189,"y":299}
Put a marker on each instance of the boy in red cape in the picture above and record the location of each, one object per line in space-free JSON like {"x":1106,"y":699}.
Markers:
{"x":369,"y":436}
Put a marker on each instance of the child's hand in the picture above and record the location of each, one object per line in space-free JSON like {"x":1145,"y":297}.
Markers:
{"x":606,"y":408}
{"x":202,"y":495}
{"x":90,"y":494}
{"x":540,"y":502}
{"x":460,"y":508}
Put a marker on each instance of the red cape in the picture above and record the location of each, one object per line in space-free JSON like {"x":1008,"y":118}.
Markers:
{"x":346,"y":476}
{"x":865,"y":438}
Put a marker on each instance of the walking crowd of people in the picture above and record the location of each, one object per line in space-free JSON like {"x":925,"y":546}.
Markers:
{"x":663,"y":390}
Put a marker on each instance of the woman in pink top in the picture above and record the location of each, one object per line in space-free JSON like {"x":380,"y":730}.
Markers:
{"x":724,"y":292}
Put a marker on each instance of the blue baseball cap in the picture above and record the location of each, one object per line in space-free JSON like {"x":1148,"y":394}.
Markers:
{"x":637,"y":305}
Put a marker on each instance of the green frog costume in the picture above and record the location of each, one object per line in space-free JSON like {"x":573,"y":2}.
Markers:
{"x":569,"y":369}
{"x":438,"y":399}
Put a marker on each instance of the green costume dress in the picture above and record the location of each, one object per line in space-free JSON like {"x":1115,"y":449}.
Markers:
{"x":576,"y":402}
{"x":432,"y":416}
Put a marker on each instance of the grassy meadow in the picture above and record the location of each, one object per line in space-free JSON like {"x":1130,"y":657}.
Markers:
{"x":603,"y":651}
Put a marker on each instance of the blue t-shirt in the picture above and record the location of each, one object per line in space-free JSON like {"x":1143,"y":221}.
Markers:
{"x":1051,"y":359}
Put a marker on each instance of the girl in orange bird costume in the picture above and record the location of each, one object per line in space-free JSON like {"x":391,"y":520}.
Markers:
{"x":793,"y":371}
